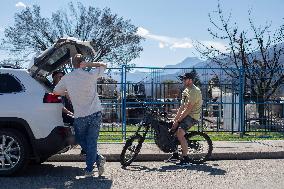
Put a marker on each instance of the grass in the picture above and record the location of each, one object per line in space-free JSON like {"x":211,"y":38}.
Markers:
{"x":114,"y":134}
{"x":225,"y":136}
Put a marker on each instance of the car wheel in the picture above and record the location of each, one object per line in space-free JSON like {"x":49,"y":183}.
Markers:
{"x":14,"y":152}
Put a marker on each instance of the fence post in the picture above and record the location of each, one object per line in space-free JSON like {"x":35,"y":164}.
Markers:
{"x":241,"y":101}
{"x":152,"y":90}
{"x":123,"y":100}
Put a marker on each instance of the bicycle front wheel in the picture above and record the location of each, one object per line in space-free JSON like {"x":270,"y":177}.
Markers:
{"x":131,"y":149}
{"x":199,"y":147}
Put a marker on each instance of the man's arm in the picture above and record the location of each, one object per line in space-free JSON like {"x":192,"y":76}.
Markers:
{"x":180,"y":110}
{"x":92,"y":64}
{"x":175,"y":123}
{"x":186,"y":111}
{"x":100,"y":68}
{"x":182,"y":113}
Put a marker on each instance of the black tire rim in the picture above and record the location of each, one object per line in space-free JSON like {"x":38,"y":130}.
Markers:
{"x":10,"y":152}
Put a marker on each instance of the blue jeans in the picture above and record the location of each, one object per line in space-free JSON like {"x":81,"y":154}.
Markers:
{"x":87,"y":132}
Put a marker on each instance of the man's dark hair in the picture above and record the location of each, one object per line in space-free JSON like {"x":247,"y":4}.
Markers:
{"x":57,"y":72}
{"x":186,"y":76}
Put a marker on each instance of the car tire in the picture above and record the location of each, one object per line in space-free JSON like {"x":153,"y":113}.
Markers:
{"x":39,"y":161}
{"x":14,"y":152}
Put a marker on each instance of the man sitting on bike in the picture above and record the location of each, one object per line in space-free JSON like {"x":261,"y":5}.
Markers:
{"x":188,"y":115}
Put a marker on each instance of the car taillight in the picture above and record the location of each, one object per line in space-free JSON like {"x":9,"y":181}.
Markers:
{"x":51,"y":98}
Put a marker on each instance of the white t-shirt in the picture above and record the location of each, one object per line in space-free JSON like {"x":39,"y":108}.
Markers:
{"x":81,"y":86}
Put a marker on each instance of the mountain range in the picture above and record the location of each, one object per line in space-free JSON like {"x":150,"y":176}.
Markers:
{"x":170,"y":72}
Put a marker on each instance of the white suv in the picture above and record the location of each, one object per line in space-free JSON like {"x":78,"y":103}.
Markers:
{"x":31,"y":126}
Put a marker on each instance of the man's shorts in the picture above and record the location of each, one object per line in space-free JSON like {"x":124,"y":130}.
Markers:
{"x":187,"y":123}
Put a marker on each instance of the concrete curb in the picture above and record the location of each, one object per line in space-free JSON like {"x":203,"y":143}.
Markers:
{"x":161,"y":157}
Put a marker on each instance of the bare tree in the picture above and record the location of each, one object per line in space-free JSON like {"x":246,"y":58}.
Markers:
{"x":256,"y":51}
{"x":114,"y":38}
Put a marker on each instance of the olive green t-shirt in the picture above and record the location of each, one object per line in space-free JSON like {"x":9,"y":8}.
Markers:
{"x":193,"y":95}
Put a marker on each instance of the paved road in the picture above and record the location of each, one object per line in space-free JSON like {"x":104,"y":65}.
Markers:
{"x":215,"y":174}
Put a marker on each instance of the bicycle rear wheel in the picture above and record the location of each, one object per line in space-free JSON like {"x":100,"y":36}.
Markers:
{"x":199,"y":147}
{"x":131,"y":149}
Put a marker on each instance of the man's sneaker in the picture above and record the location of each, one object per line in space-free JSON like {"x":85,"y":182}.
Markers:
{"x":101,"y":167}
{"x":174,"y":158}
{"x":183,"y":162}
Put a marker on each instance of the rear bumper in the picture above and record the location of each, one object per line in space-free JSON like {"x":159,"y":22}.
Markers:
{"x":59,"y":139}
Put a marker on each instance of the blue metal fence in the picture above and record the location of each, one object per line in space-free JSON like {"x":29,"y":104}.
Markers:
{"x":227,"y":104}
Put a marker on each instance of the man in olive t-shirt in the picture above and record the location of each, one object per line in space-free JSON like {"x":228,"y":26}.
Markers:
{"x":188,"y":115}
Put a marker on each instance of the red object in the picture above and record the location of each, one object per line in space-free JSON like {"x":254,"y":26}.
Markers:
{"x":51,"y":98}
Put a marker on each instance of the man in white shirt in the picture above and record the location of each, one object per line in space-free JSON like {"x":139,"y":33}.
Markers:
{"x":81,"y":86}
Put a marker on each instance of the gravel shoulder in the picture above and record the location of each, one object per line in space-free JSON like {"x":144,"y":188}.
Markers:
{"x":215,"y":174}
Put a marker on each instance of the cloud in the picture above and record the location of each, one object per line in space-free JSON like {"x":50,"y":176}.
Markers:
{"x":166,"y":41}
{"x":177,"y":43}
{"x":142,"y":31}
{"x":20,"y":5}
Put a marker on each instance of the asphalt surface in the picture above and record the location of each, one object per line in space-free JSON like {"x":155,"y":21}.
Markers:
{"x":260,"y":173}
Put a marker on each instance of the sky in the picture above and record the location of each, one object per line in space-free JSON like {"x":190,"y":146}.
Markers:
{"x":169,"y":26}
